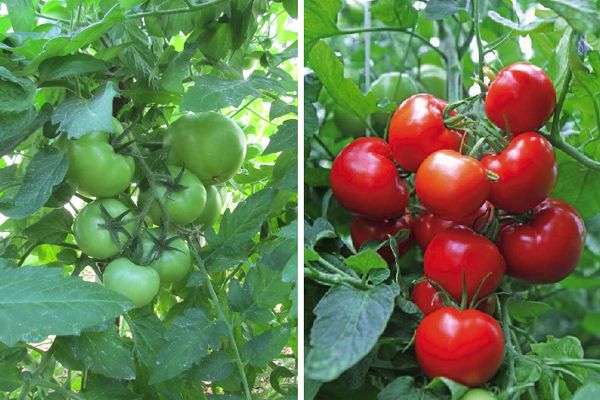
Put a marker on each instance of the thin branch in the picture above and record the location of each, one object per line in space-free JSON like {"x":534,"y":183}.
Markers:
{"x":190,"y":8}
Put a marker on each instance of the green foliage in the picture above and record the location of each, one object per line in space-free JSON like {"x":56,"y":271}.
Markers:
{"x":229,"y":329}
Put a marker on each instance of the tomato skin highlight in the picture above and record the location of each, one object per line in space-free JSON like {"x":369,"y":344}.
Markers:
{"x":417,"y":130}
{"x":452,"y":186}
{"x":96,"y":168}
{"x":362,"y":230}
{"x":466,"y":346}
{"x":548,"y":248}
{"x":365,"y":181}
{"x":94,"y":240}
{"x":426,"y":297}
{"x":522,"y":95}
{"x":527,"y":173}
{"x":460,"y":249}
{"x":139,"y":284}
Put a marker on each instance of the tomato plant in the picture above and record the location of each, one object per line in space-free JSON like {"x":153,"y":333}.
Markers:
{"x":498,"y":148}
{"x":148,"y":199}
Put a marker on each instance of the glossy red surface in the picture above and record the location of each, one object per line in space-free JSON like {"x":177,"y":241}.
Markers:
{"x":363,"y":229}
{"x":548,"y":248}
{"x":426,"y":297}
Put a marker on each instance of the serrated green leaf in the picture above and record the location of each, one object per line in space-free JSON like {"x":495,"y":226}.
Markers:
{"x":262,"y":349}
{"x":366,"y":261}
{"x":16,"y":93}
{"x":52,"y":228}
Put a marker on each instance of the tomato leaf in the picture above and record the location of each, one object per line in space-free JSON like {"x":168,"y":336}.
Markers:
{"x":46,"y":291}
{"x":261,"y":349}
{"x":582,"y":15}
{"x":320,"y":18}
{"x":366,"y":261}
{"x":52,"y":228}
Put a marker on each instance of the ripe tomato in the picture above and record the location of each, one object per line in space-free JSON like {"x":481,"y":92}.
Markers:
{"x":210,"y":145}
{"x":96,"y":168}
{"x":478,"y":394}
{"x":417,"y":130}
{"x":96,"y":241}
{"x":433,"y":80}
{"x":548,"y":248}
{"x":527,"y":173}
{"x":426,"y":297}
{"x":212,"y":209}
{"x":169,"y":256}
{"x":522,"y":96}
{"x":362,"y":230}
{"x":184,"y":200}
{"x":465,"y":346}
{"x":457,"y":251}
{"x":365,"y":181}
{"x":139,"y":284}
{"x":394,"y":87}
{"x":450,"y":185}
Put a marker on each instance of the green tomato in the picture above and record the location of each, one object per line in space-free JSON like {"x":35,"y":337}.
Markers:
{"x":348,"y":123}
{"x":184,"y":200}
{"x":137,"y":283}
{"x":212,"y":209}
{"x":394,"y":87}
{"x":433,"y":80}
{"x":96,"y":168}
{"x":170,"y":257}
{"x":96,"y":241}
{"x":478,"y":394}
{"x":210,"y":145}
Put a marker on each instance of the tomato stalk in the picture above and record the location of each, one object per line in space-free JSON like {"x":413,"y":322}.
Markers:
{"x":512,"y":377}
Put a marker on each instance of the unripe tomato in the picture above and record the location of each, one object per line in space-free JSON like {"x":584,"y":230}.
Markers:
{"x":394,"y":87}
{"x":450,"y":185}
{"x":521,"y":97}
{"x":212,"y":209}
{"x":139,"y":284}
{"x":478,"y":394}
{"x":348,"y":123}
{"x":459,"y":251}
{"x":527,"y":173}
{"x":363,"y":230}
{"x":548,"y":248}
{"x":170,"y":257}
{"x":426,"y":297}
{"x":210,"y":145}
{"x":184,"y":197}
{"x":96,"y":168}
{"x":94,"y":240}
{"x":417,"y":130}
{"x":365,"y":181}
{"x":465,"y":346}
{"x":433,"y":80}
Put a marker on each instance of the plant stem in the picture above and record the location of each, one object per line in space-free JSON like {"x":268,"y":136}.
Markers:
{"x":333,"y":268}
{"x":389,"y":29}
{"x":215,"y":299}
{"x":190,"y":8}
{"x":334,"y":279}
{"x":65,"y":392}
{"x":512,"y":378}
{"x":555,"y":130}
{"x":479,"y":42}
{"x":574,"y":152}
{"x":38,"y":371}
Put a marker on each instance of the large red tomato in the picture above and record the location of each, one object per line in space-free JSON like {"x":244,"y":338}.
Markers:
{"x":526,"y":170}
{"x":457,"y":251}
{"x":521,"y":98}
{"x":363,"y":229}
{"x":451,"y":185}
{"x":417,"y":130}
{"x":427,"y":225}
{"x":547,"y":249}
{"x":465,"y":346}
{"x":365,"y":181}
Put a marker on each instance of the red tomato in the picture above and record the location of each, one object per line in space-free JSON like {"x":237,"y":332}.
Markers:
{"x":465,"y":346}
{"x":457,"y":251}
{"x":427,"y":225}
{"x":365,"y":181}
{"x":548,"y":248}
{"x":451,"y":185}
{"x":522,"y":96}
{"x":362,"y":230}
{"x":417,"y":130}
{"x":426,"y":297}
{"x":526,"y":170}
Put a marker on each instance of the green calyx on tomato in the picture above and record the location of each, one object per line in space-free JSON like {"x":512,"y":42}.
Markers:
{"x":210,"y":145}
{"x":394,"y":87}
{"x":137,"y":283}
{"x":96,"y":168}
{"x":169,"y":255}
{"x":182,"y":194}
{"x":102,"y":228}
{"x":212,"y":209}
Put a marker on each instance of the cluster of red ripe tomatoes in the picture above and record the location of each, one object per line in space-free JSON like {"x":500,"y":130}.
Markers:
{"x":538,"y":240}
